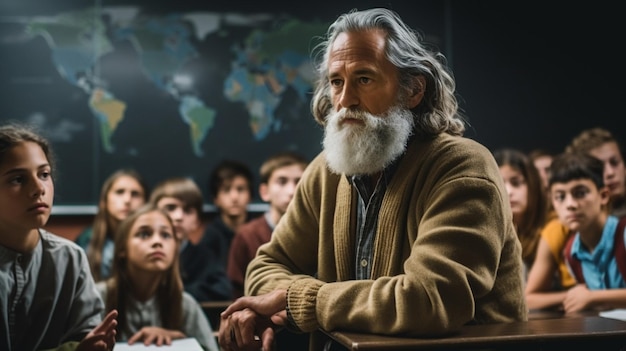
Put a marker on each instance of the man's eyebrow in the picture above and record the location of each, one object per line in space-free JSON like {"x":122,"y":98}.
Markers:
{"x":369,"y":69}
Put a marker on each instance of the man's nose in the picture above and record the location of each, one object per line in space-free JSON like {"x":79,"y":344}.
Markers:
{"x":348,"y":98}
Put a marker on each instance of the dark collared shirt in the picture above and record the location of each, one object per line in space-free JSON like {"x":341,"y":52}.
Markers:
{"x":368,"y":207}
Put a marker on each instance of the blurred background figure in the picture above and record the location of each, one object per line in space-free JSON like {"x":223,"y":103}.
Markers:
{"x":122,"y":192}
{"x":601,"y":144}
{"x":230,"y":186}
{"x":181,"y":199}
{"x":527,"y":199}
{"x":280,"y":175}
{"x":542,"y":160}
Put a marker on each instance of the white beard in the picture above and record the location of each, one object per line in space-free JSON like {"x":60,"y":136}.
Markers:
{"x":366,"y":148}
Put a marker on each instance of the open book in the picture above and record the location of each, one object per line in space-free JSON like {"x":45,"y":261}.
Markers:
{"x":187,"y":344}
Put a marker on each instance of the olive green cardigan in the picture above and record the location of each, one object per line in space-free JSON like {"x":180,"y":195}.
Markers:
{"x":445,"y":253}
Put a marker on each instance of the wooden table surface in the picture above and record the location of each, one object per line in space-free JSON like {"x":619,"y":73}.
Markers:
{"x":571,"y":332}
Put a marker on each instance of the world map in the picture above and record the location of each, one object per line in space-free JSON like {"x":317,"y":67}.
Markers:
{"x":262,"y":63}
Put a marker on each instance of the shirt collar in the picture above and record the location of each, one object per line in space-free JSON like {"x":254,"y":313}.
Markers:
{"x":386,"y":176}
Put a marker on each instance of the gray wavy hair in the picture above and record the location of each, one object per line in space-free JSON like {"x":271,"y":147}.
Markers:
{"x":438,"y":111}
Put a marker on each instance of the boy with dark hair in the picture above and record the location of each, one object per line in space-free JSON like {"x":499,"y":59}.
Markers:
{"x":182,"y":199}
{"x":230,"y":185}
{"x":581,"y":201}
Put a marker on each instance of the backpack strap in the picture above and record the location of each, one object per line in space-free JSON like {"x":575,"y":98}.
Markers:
{"x":619,"y":250}
{"x":574,"y":265}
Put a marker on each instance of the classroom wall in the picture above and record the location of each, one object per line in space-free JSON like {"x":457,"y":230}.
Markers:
{"x":530,"y":74}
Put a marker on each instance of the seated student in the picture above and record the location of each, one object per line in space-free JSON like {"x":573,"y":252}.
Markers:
{"x":581,"y":201}
{"x":48,"y":297}
{"x":600,"y":143}
{"x":280,"y":174}
{"x":181,"y":198}
{"x":230,"y":185}
{"x":527,"y":199}
{"x":146,"y":287}
{"x":121,"y":193}
{"x":549,"y":276}
{"x":542,"y":159}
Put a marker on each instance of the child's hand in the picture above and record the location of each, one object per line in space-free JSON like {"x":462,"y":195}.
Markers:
{"x":577,"y":299}
{"x":156,"y":335}
{"x":102,"y":337}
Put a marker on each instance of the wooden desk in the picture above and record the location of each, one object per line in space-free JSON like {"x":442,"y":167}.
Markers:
{"x":572,"y":333}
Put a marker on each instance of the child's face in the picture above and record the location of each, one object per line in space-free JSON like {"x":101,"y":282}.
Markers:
{"x":233,"y":197}
{"x":185,"y":218}
{"x":614,"y":172}
{"x":578,"y":203}
{"x":125,"y":196}
{"x":26,"y":188}
{"x":517,"y":188}
{"x":151,"y":245}
{"x":281,"y":186}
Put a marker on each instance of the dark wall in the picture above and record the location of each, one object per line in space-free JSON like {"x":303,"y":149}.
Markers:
{"x":530,"y":74}
{"x":534,"y":74}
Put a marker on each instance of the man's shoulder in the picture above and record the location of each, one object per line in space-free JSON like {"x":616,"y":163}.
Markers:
{"x":446,"y":143}
{"x":447,"y":151}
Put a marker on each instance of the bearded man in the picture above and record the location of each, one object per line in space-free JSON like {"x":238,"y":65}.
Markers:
{"x":400,"y":226}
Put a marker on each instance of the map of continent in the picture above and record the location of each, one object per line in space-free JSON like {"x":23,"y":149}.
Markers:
{"x":265,"y":66}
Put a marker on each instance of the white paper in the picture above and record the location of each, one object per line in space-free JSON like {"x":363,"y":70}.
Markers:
{"x":614,"y":314}
{"x":188,"y":344}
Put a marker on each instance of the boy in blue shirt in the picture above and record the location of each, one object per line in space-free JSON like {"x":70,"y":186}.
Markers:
{"x":582,"y":201}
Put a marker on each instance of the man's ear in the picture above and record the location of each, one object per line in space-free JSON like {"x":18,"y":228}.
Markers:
{"x":416,"y":96}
